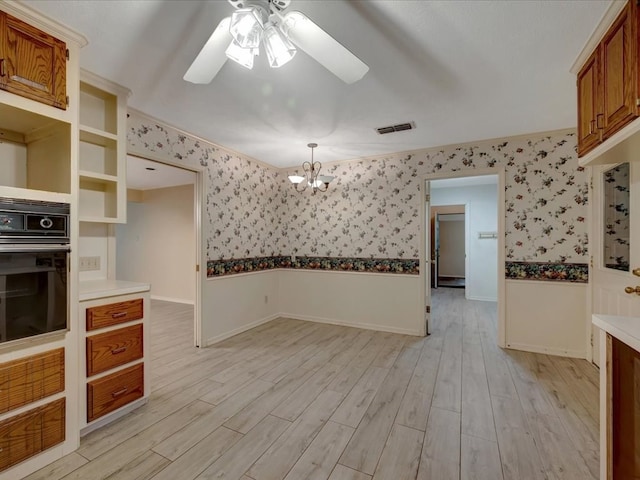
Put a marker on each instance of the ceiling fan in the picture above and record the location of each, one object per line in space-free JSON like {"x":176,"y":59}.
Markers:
{"x":256,"y":22}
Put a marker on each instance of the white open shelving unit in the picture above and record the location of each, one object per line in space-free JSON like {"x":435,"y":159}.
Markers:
{"x":102,"y":151}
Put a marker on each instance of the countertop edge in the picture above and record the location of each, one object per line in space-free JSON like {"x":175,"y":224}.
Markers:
{"x":612,"y":325}
{"x":95,"y":289}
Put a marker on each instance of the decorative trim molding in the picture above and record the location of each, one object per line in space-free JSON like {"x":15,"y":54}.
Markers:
{"x":547,"y":271}
{"x":402,"y":266}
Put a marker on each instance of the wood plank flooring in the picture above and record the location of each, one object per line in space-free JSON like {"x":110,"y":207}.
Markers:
{"x":296,"y":400}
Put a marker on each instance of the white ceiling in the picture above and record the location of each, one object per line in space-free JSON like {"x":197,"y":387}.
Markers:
{"x":461,"y":70}
{"x":139,"y":177}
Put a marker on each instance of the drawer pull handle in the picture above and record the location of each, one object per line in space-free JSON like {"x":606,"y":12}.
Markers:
{"x":116,"y":351}
{"x":119,"y":393}
{"x":119,"y":315}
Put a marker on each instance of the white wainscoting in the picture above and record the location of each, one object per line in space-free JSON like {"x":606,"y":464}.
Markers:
{"x":547,"y":317}
{"x":378,"y":301}
{"x":236,"y":303}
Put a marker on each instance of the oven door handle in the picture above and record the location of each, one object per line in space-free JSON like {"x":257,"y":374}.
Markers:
{"x":33,"y":248}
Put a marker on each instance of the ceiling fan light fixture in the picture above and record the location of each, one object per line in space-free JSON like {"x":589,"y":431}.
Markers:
{"x":243,"y":56}
{"x":279,"y":48}
{"x":247,"y":26}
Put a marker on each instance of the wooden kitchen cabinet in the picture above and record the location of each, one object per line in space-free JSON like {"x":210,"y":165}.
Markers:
{"x":32,"y":432}
{"x":619,"y":72}
{"x":589,"y":104}
{"x":116,"y":358}
{"x":608,"y":82}
{"x":32,"y":63}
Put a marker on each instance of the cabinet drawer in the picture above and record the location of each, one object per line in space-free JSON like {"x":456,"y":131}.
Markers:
{"x":114,"y":313}
{"x":32,"y":432}
{"x":113,"y":391}
{"x":31,"y":378}
{"x":111,"y":349}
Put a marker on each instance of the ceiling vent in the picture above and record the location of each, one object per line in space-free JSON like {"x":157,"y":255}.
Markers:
{"x":396,"y":128}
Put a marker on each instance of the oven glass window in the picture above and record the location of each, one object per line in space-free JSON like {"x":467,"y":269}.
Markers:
{"x":33,"y":294}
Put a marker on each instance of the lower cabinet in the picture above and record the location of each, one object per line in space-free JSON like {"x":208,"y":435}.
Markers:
{"x":32,"y":432}
{"x":113,"y":391}
{"x":116,"y":378}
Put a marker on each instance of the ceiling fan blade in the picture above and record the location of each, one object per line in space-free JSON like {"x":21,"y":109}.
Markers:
{"x":323,"y":48}
{"x":212,"y":57}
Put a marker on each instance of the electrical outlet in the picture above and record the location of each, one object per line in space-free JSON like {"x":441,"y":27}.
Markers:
{"x":88,"y":264}
{"x":266,"y":299}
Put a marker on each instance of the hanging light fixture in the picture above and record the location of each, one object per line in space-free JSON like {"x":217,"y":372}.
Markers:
{"x":312,"y":176}
{"x":254,"y":25}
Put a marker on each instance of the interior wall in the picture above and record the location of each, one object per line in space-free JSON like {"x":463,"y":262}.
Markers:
{"x":452,"y":248}
{"x":157,"y":244}
{"x":387,"y":302}
{"x":482,"y":254}
{"x":93,"y":241}
{"x":13,"y":164}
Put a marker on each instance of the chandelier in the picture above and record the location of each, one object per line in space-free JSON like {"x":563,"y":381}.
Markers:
{"x":257,"y":24}
{"x":312,"y":177}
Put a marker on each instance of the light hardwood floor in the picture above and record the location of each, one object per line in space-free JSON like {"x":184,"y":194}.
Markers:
{"x":297,"y":400}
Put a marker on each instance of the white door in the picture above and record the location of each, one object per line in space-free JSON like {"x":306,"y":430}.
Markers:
{"x":427,"y":255}
{"x":615,"y":242}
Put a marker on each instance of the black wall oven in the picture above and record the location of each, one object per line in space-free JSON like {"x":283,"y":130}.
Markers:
{"x":34,"y":268}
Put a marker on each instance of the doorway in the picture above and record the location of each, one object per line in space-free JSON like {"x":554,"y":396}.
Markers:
{"x":471,"y":208}
{"x":159,"y":243}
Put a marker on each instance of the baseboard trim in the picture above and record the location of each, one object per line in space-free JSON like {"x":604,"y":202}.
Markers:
{"x":482,"y":299}
{"x":171,"y":299}
{"x":548,"y":351}
{"x":236,"y":331}
{"x":365,"y":326}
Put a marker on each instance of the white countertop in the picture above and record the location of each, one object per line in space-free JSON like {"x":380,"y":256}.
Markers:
{"x":92,"y":289}
{"x":625,"y":329}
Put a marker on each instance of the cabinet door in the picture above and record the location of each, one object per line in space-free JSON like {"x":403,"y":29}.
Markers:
{"x":33,"y":62}
{"x":589,"y":104}
{"x":619,"y":76}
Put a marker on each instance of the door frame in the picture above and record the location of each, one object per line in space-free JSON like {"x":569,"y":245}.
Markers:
{"x":425,"y":259}
{"x":200,"y":261}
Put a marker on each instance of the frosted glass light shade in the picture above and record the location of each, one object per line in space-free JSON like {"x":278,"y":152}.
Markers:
{"x":295,"y":179}
{"x":243,"y":56}
{"x":326,"y":178}
{"x":279,"y":49}
{"x":246,"y":27}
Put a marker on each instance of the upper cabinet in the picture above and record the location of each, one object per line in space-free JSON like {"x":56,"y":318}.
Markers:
{"x":608,"y":83}
{"x":619,"y":73}
{"x":102,"y":153}
{"x":33,"y":63}
{"x":589,"y":104}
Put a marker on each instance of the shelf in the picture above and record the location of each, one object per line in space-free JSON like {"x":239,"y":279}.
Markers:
{"x":90,"y":175}
{"x":98,"y":109}
{"x":98,"y":199}
{"x":34,"y":151}
{"x":94,"y":135}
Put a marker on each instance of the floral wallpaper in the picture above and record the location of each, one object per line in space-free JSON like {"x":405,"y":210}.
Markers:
{"x":616,"y":217}
{"x":373,"y":207}
{"x":243,"y":207}
{"x":370,"y":215}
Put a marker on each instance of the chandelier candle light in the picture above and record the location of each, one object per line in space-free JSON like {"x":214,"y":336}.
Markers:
{"x":312,"y":176}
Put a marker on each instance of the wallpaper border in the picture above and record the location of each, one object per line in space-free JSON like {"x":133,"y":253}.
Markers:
{"x":400,"y":266}
{"x":539,"y":271}
{"x":547,"y":271}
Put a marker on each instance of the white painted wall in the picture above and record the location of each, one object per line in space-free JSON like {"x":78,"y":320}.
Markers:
{"x":482,"y":254}
{"x":94,"y":242}
{"x":546,"y":317}
{"x":13,"y":164}
{"x":376,"y":301}
{"x":237,"y":303}
{"x":157,"y":244}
